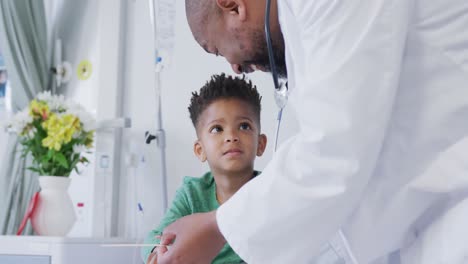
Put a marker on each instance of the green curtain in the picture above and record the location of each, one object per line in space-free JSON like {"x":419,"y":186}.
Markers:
{"x":23,"y":39}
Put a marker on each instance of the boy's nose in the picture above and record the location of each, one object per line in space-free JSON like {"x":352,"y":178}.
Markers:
{"x":231,"y":138}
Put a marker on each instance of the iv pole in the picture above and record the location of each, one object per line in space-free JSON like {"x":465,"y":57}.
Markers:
{"x":160,"y":134}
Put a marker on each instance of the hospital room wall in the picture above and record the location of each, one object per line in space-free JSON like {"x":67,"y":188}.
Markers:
{"x":190,"y":67}
{"x":88,"y":34}
{"x":76,"y":24}
{"x":79,"y":25}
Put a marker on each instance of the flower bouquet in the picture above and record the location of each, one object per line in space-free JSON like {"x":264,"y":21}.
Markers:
{"x":55,"y":132}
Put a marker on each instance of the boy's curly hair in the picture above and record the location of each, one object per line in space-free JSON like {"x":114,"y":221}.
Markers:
{"x":224,"y":87}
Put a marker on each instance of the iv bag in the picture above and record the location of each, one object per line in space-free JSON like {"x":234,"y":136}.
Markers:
{"x":163,"y":19}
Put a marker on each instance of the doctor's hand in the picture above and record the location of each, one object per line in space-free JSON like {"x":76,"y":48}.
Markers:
{"x":193,"y":239}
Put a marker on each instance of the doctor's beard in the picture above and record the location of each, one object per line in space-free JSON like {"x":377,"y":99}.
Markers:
{"x":260,"y":54}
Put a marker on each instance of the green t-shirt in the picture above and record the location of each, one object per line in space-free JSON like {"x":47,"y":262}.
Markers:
{"x":196,"y":195}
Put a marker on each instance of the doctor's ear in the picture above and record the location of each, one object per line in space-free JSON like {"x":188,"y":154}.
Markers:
{"x":198,"y":150}
{"x":233,"y":7}
{"x":262,"y":142}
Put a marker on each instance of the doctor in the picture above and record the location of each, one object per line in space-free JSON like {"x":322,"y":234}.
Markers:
{"x":380,"y":89}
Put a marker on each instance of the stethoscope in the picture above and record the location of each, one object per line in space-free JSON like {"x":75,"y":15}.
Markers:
{"x":281,"y":89}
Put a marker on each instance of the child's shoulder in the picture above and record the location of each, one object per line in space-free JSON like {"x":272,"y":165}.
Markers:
{"x":199,"y":191}
{"x":202,"y":182}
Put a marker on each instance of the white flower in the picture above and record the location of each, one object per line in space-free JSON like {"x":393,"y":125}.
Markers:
{"x":20,"y":121}
{"x":44,"y":96}
{"x":55,"y":102}
{"x":77,"y":134}
{"x":88,"y":121}
{"x":32,"y":132}
{"x":79,"y":149}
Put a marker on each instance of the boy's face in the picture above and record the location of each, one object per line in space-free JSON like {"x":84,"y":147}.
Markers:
{"x":229,"y":136}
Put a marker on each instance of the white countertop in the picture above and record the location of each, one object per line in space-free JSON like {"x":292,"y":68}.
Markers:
{"x":70,"y":250}
{"x":65,"y":240}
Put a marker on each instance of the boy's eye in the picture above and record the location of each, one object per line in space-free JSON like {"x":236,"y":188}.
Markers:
{"x":216,"y":129}
{"x":245,"y":126}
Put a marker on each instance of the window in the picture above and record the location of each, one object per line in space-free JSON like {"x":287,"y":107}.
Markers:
{"x":4,"y":109}
{"x":4,"y":88}
{"x":3,"y":82}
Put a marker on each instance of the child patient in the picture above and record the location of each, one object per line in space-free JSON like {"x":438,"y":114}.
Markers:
{"x":226,"y":117}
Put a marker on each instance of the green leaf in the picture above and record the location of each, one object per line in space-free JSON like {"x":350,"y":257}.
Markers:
{"x":50,"y":153}
{"x":33,"y":169}
{"x":45,"y":159}
{"x":60,"y":158}
{"x":53,"y":171}
{"x":74,"y":164}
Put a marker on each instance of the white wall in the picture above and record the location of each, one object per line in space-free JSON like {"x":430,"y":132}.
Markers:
{"x":90,"y":31}
{"x":76,"y":23}
{"x":190,"y":68}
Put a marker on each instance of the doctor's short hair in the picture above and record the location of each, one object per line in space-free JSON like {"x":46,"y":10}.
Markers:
{"x":222,"y":86}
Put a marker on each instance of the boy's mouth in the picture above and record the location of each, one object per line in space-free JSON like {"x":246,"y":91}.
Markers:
{"x":233,"y":152}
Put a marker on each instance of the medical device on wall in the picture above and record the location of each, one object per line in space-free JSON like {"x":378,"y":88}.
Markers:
{"x":62,"y":70}
{"x":84,"y":70}
{"x":281,"y":89}
{"x":162,"y":13}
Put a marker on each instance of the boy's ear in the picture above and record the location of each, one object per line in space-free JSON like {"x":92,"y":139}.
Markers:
{"x":233,"y":7}
{"x":198,"y":150}
{"x":262,"y":142}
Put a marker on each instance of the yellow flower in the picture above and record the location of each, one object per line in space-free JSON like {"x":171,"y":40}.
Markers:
{"x":52,"y":143}
{"x":60,"y":130}
{"x":39,"y":109}
{"x":54,"y":138}
{"x":71,"y":125}
{"x":52,"y":123}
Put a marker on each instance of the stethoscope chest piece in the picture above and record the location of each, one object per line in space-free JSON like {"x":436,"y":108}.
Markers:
{"x":281,"y":95}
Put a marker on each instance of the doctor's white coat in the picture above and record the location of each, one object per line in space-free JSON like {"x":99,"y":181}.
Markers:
{"x":380,"y":89}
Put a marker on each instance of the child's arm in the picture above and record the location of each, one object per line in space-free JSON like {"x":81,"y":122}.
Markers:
{"x":180,"y":207}
{"x":152,"y":258}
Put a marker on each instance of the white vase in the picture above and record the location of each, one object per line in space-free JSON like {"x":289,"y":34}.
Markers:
{"x":54,"y":214}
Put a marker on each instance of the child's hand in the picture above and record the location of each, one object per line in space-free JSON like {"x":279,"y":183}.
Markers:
{"x":158,"y":250}
{"x":192,"y":232}
{"x":153,"y":257}
{"x":161,"y":248}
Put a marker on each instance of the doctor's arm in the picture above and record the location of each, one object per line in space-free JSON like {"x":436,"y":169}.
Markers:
{"x":345,"y":84}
